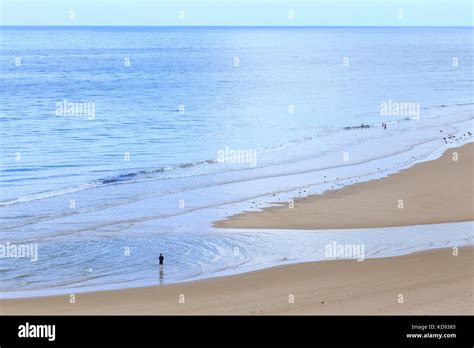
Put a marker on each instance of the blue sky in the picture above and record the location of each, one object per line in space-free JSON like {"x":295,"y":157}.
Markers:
{"x":238,"y":12}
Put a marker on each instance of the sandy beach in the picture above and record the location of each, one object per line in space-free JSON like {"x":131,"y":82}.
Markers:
{"x":432,"y":192}
{"x":431,"y":282}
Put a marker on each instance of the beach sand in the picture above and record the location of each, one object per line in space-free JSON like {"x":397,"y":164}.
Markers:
{"x":436,"y":191}
{"x":432,"y":282}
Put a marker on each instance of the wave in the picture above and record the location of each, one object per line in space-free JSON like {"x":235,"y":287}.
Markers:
{"x":131,"y":176}
{"x":145,"y":175}
{"x":121,"y":178}
{"x":379,"y":125}
{"x":404,"y":119}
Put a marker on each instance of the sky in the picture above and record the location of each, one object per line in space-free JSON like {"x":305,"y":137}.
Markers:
{"x":238,"y":12}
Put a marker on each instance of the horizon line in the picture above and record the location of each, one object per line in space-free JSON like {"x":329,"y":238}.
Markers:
{"x":228,"y":26}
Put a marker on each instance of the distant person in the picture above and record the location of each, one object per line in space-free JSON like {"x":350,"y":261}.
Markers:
{"x":161,"y":258}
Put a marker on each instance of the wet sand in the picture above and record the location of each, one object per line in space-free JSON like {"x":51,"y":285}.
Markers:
{"x":432,"y":282}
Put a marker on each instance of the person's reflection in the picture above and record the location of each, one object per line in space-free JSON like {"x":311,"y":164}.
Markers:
{"x":161,"y":276}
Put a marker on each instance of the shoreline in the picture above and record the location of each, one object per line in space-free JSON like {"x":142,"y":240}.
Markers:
{"x":431,"y":282}
{"x":421,"y":194}
{"x":243,"y":293}
{"x":375,"y":242}
{"x":210,"y":199}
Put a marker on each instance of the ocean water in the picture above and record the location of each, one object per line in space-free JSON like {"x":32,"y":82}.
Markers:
{"x":102,"y":193}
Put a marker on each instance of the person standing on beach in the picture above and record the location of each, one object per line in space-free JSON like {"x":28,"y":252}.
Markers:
{"x":161,"y":258}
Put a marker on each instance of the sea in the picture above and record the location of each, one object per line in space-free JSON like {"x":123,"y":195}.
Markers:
{"x":121,"y":143}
